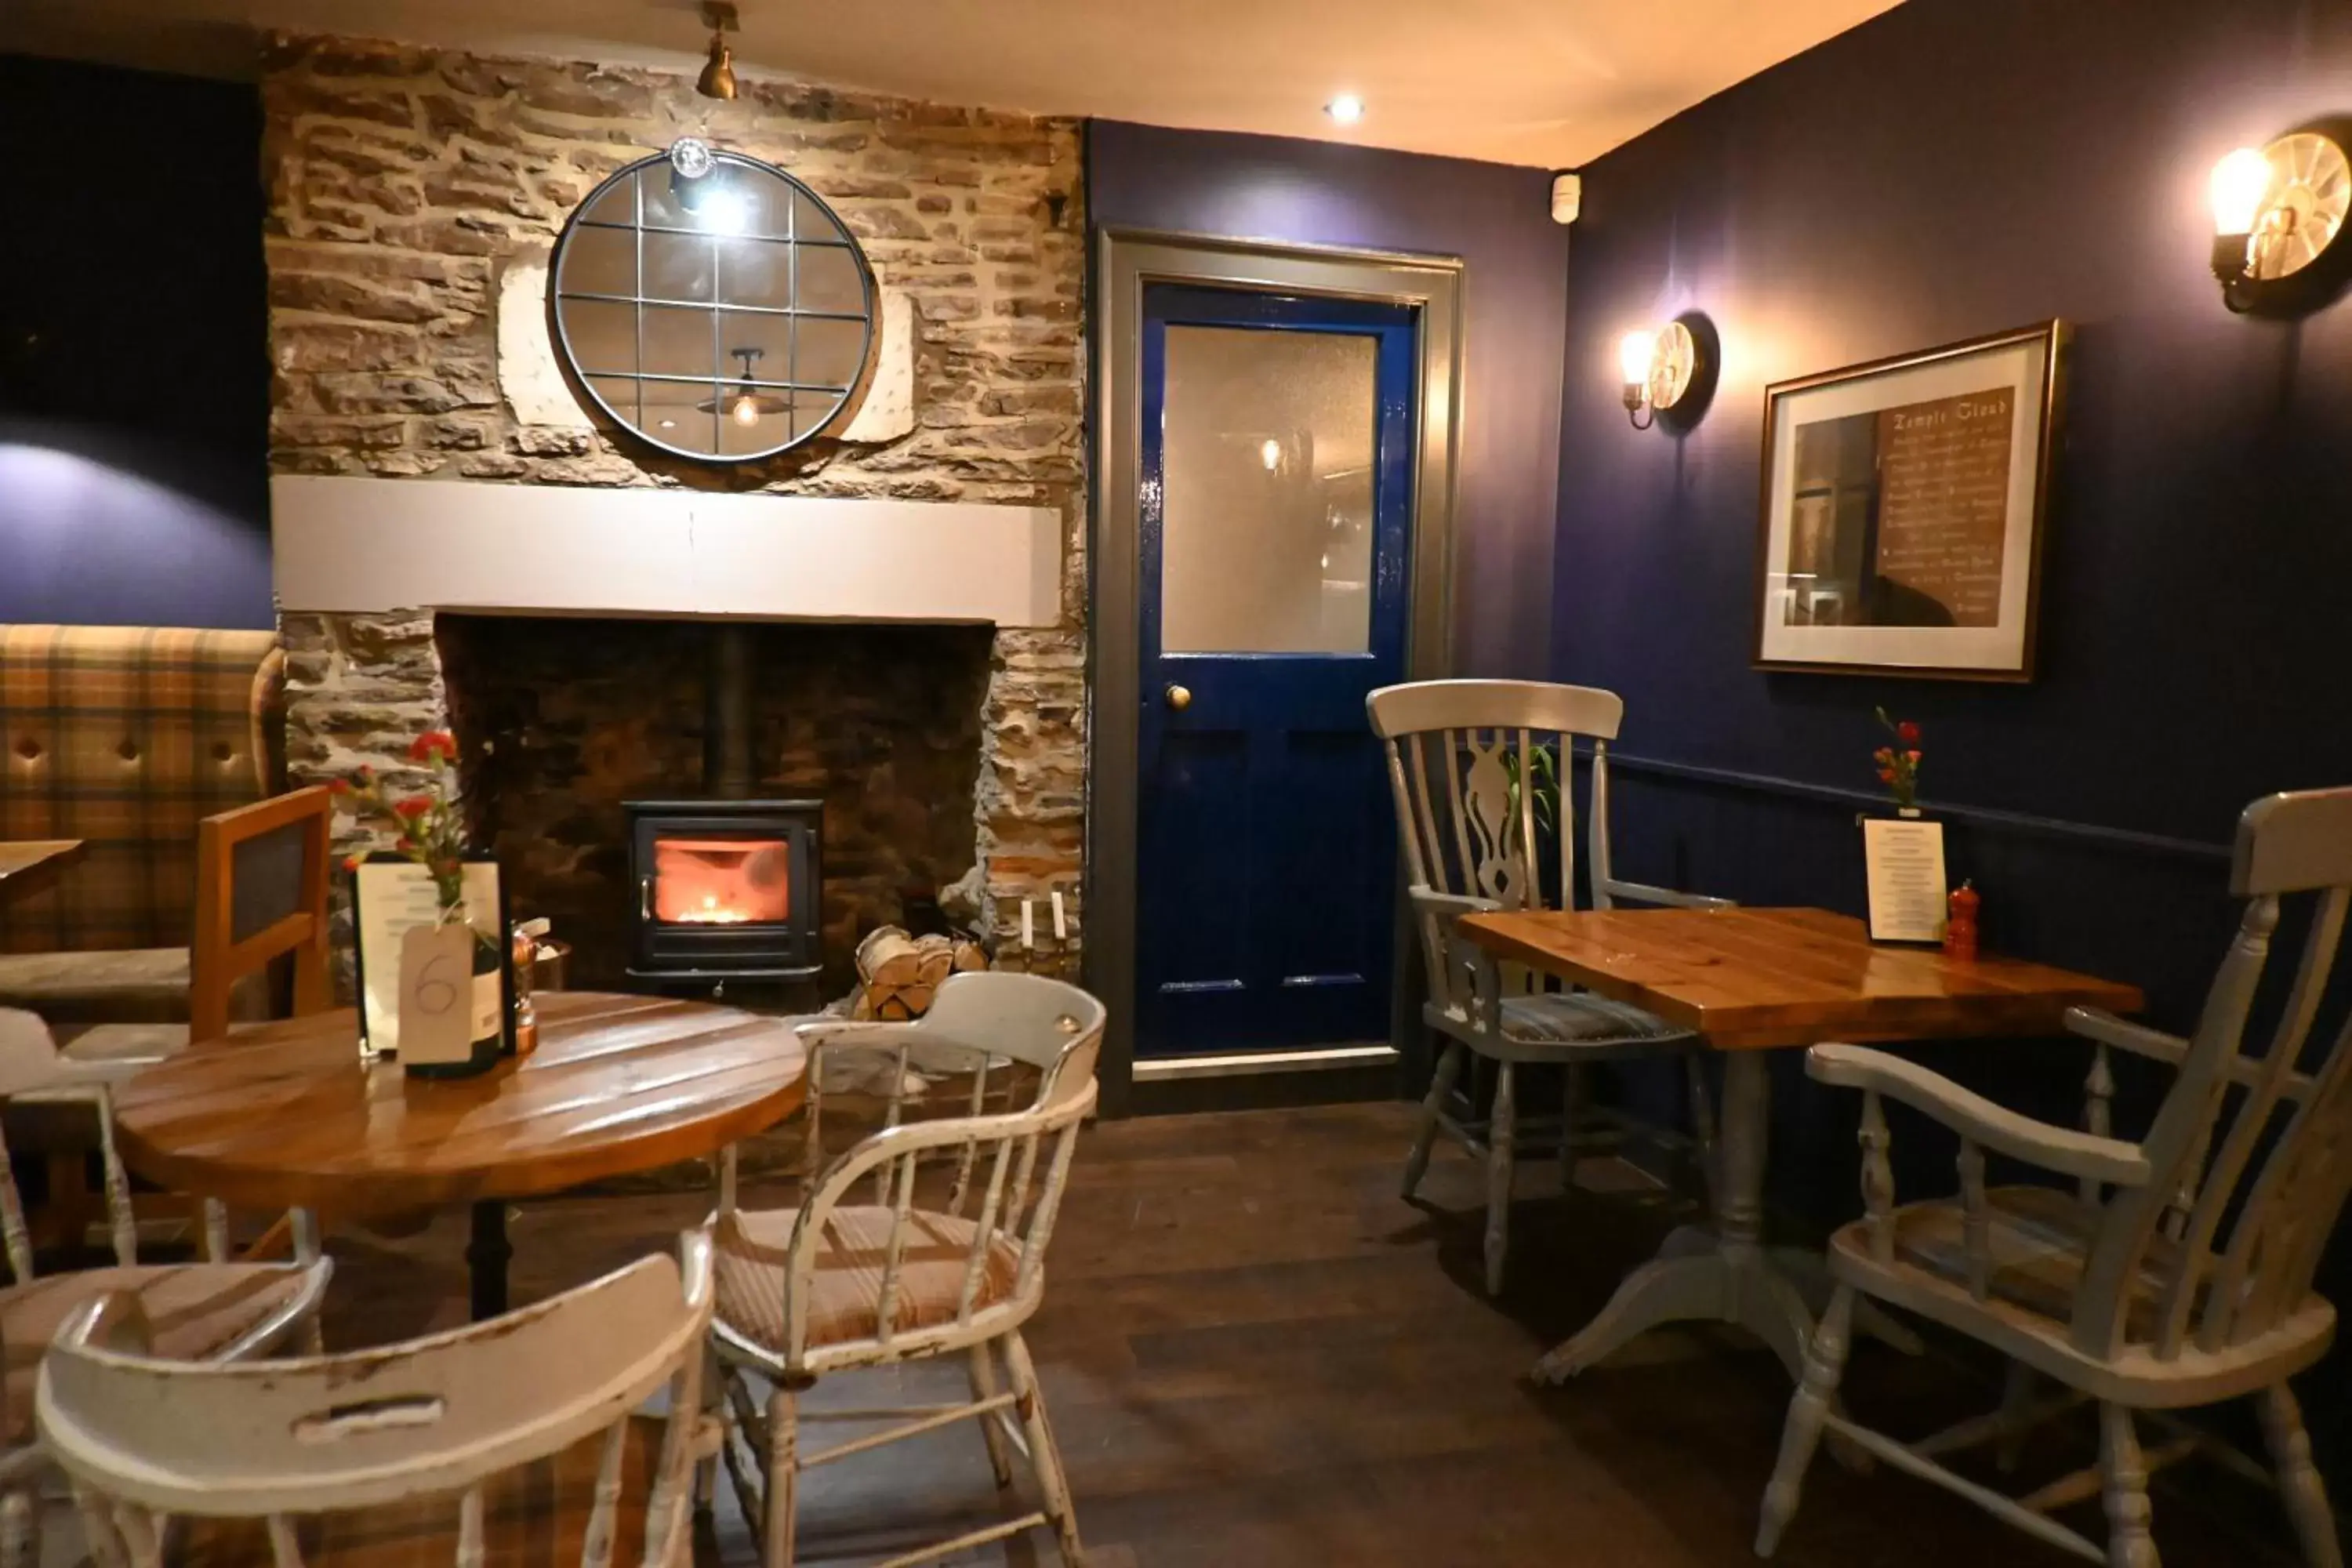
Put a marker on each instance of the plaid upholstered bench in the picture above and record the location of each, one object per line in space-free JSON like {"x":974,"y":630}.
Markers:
{"x":123,"y":737}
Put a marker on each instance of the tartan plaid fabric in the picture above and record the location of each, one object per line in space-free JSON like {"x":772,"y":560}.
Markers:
{"x":125,"y":736}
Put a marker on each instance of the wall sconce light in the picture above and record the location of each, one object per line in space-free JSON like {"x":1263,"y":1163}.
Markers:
{"x":2275,"y":210}
{"x":1659,"y":368}
{"x":718,"y":78}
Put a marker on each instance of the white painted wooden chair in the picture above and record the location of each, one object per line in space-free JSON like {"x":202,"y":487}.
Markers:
{"x":210,"y":1312}
{"x":836,"y":1285}
{"x":515,"y":1440}
{"x":2176,"y":1273}
{"x":1457,"y":752}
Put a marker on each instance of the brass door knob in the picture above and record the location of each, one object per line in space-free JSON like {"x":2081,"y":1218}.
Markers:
{"x":1180,"y":697}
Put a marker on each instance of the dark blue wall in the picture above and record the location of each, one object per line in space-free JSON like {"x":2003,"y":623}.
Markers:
{"x":1497,"y":219}
{"x":135,"y":374}
{"x":1952,"y":168}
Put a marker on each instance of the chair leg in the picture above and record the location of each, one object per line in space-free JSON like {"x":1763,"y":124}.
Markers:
{"x":1502,"y":1140}
{"x":1440,"y":1084}
{"x":983,"y":1386}
{"x":2298,"y":1478}
{"x":2016,"y":1405}
{"x":1571,"y":1108}
{"x":2130,"y":1545}
{"x":784,"y":1477}
{"x":1824,"y":1364}
{"x":1042,"y":1453}
{"x":714,"y":1408}
{"x":20,"y":1527}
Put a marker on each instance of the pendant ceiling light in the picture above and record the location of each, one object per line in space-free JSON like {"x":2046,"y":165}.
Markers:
{"x":747,"y":403}
{"x":718,"y":78}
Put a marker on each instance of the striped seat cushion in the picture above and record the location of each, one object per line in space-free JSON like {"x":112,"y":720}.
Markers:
{"x":847,"y":1290}
{"x":1580,"y":1017}
{"x":2037,"y":1242}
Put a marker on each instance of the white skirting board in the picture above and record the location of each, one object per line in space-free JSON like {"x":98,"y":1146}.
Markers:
{"x":366,"y":545}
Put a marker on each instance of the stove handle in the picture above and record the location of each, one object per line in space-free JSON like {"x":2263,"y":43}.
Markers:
{"x":646,"y":897}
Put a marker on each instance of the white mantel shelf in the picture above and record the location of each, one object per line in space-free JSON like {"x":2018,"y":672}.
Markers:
{"x":351,"y":545}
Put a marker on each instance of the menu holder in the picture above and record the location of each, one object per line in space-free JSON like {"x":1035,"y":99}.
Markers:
{"x":1904,"y":864}
{"x":392,"y":896}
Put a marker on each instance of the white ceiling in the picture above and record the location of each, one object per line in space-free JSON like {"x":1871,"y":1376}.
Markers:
{"x":1550,"y":83}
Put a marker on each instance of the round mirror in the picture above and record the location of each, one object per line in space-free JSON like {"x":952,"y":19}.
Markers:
{"x":712,"y":304}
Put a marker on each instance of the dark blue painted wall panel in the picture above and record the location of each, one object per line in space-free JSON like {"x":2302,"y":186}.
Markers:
{"x":135,"y":376}
{"x":1952,"y":168}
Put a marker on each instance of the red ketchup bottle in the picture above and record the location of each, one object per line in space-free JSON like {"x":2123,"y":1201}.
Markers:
{"x":1960,"y":922}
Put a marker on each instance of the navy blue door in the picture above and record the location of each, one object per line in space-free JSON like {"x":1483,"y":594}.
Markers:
{"x":1277,"y":481}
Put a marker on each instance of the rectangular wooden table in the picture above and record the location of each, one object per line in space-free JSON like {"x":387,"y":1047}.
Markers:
{"x":1748,"y":981}
{"x":30,"y":865}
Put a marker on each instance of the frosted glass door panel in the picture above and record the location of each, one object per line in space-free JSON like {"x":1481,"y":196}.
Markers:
{"x":1267,"y":537}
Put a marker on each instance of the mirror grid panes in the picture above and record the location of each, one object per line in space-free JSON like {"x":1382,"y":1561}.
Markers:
{"x":725,"y":316}
{"x":1267,"y":491}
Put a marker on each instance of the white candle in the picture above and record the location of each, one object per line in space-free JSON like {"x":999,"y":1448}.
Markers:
{"x":1061,"y":922}
{"x":1028,"y":925}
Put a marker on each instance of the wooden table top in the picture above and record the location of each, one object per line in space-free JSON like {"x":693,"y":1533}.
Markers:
{"x":29,"y":865}
{"x":1756,"y":978}
{"x":286,"y":1116}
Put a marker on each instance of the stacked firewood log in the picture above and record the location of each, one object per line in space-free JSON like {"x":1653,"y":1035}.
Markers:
{"x":897,"y":974}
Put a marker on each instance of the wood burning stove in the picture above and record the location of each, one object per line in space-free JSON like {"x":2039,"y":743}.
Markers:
{"x":726,"y":890}
{"x":725,"y":887}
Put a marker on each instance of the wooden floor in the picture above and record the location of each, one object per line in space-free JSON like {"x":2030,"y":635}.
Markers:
{"x":1255,"y":1353}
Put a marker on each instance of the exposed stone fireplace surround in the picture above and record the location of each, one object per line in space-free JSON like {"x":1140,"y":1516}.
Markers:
{"x":413,"y":198}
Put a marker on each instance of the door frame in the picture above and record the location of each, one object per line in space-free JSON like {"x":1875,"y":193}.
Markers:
{"x":1126,"y":260}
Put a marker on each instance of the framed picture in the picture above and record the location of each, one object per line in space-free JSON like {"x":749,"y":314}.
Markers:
{"x":1901,"y":521}
{"x":390,"y":894}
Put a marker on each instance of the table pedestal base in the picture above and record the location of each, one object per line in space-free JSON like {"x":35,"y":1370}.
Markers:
{"x":1722,"y":1274}
{"x":486,"y":1253}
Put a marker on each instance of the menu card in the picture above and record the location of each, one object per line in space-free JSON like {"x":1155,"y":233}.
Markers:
{"x":1905,"y":864}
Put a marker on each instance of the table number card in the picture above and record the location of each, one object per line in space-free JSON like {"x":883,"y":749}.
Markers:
{"x":1904,"y":865}
{"x":437,"y":984}
{"x":389,"y":899}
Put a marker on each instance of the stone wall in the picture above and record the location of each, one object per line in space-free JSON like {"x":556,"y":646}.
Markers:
{"x":406,"y":189}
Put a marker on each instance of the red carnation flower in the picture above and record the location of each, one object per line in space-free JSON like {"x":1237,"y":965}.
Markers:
{"x":431,"y":745}
{"x":410,"y":809}
{"x":1907,"y":732}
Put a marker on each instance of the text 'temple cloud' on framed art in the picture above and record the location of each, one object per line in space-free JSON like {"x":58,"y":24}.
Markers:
{"x":1903,"y":510}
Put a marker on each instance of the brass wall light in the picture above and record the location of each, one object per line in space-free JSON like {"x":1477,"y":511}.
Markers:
{"x":718,"y":78}
{"x":2275,"y":210}
{"x":1660,"y":369}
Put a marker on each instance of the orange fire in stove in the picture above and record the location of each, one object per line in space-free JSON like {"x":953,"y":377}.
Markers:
{"x":722,"y":881}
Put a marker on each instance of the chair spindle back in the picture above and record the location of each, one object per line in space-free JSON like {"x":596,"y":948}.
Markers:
{"x":1461,"y":760}
{"x":2252,"y":1148}
{"x":982,"y":1023}
{"x":148,"y":1441}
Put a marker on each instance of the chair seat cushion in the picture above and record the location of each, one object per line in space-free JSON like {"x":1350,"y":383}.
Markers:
{"x":844,"y":1299}
{"x":195,"y":1311}
{"x":1580,"y":1017}
{"x":2038,"y":1239}
{"x":132,"y":985}
{"x":536,"y":1513}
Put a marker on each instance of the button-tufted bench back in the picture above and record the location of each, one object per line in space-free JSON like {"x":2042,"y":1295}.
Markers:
{"x":123,"y":737}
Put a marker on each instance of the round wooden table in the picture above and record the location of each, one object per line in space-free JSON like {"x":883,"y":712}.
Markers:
{"x":286,"y":1116}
